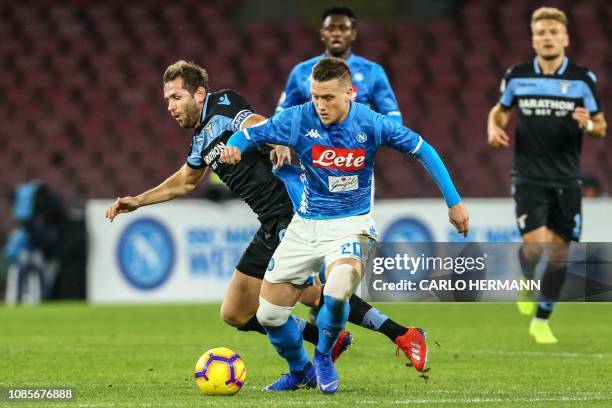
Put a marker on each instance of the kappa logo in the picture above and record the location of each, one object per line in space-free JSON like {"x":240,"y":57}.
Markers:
{"x":224,"y":100}
{"x":313,"y":134}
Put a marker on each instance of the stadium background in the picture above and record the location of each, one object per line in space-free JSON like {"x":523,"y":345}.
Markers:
{"x":82,"y":106}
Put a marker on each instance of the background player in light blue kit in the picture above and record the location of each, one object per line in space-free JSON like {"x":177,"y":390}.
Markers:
{"x":336,"y":141}
{"x":370,"y":83}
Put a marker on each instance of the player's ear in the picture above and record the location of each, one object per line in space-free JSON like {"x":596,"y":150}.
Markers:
{"x":322,"y":35}
{"x":200,"y":95}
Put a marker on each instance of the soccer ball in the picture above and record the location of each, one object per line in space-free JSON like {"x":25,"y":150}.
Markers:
{"x":220,"y":371}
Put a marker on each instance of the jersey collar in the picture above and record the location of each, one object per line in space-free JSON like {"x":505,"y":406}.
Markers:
{"x":342,"y":124}
{"x":560,"y":70}
{"x":202,"y":124}
{"x":349,"y":58}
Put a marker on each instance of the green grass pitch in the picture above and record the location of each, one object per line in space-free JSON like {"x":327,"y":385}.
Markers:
{"x":145,"y":355}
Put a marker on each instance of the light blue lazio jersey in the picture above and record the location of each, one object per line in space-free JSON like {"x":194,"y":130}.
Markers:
{"x":338,"y":160}
{"x":370,"y":86}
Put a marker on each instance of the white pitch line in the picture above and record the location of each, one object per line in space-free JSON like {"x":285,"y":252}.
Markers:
{"x":565,"y":354}
{"x":325,"y":401}
{"x":314,"y":401}
{"x":491,"y":400}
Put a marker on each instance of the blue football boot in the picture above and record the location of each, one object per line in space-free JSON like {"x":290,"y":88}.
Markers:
{"x":327,"y":377}
{"x":292,"y":381}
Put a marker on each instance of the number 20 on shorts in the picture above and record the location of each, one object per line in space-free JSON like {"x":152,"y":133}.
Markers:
{"x":352,"y":248}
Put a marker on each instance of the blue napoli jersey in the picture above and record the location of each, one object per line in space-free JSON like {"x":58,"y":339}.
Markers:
{"x":370,"y":86}
{"x":337,"y":160}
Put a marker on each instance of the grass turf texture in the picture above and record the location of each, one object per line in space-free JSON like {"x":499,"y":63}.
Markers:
{"x":145,"y":355}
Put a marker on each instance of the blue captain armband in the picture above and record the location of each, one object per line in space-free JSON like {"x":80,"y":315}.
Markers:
{"x":241,"y":141}
{"x":430,"y":159}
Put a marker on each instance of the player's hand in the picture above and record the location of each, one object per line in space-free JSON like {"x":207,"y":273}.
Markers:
{"x":498,"y":137}
{"x":582,"y":116}
{"x":459,"y":217}
{"x":280,"y":155}
{"x":230,"y":155}
{"x":122,"y":205}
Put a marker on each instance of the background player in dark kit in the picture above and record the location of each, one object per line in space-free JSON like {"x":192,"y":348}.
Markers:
{"x":557,"y":103}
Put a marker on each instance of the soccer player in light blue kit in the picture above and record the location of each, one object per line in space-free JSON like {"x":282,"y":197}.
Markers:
{"x":370,"y":83}
{"x":336,"y":140}
{"x":370,"y":87}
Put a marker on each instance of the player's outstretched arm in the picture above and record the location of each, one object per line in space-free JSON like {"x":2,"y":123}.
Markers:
{"x":497,"y":121}
{"x":276,"y":131}
{"x":457,"y":213}
{"x":279,"y":155}
{"x":237,"y":144}
{"x":179,"y":184}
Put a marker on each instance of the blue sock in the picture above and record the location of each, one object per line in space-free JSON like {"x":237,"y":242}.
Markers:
{"x":301,"y":323}
{"x":287,"y":340}
{"x":331,"y":320}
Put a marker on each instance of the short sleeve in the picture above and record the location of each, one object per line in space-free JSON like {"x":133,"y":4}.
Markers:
{"x":234,"y":106}
{"x":194,"y":158}
{"x":591,"y":96}
{"x":506,"y":89}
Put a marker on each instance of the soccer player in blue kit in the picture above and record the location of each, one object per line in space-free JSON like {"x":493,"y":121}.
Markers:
{"x":336,"y":140}
{"x":370,"y":83}
{"x":370,"y":87}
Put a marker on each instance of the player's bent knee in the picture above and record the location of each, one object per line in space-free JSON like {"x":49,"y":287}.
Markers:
{"x":234,"y":320}
{"x":230,"y":317}
{"x":532,"y":250}
{"x":341,"y":282}
{"x":271,"y":315}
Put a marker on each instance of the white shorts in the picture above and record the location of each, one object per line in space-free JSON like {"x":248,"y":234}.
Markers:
{"x":309,"y":243}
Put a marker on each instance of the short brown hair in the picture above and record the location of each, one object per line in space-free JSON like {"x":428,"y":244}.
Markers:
{"x":331,"y":68}
{"x":549,"y":13}
{"x":194,"y":76}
